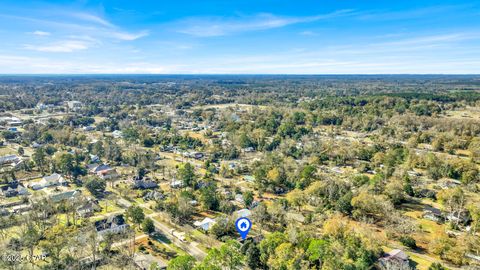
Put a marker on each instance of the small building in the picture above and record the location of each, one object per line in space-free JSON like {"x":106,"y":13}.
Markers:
{"x":9,"y":159}
{"x":293,"y":216}
{"x":394,"y":260}
{"x":153,"y":195}
{"x":95,"y":168}
{"x":243,"y":213}
{"x":143,"y":183}
{"x":107,"y":174}
{"x":74,"y":105}
{"x":13,"y":189}
{"x":249,"y":149}
{"x":249,"y":178}
{"x":239,"y":198}
{"x":176,"y":184}
{"x":65,"y":196}
{"x":205,"y":224}
{"x":447,"y":183}
{"x":117,"y":134}
{"x":87,"y":209}
{"x":112,"y":224}
{"x":22,"y":208}
{"x":48,"y":181}
{"x":432,"y":214}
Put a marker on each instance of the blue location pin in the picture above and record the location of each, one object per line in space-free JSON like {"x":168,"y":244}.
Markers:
{"x":243,"y":226}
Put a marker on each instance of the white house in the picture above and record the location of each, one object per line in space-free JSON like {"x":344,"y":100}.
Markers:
{"x":112,"y":224}
{"x":48,"y":181}
{"x":243,"y":212}
{"x":205,"y":224}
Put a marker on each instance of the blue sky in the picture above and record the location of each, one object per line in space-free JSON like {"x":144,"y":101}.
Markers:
{"x":240,"y":37}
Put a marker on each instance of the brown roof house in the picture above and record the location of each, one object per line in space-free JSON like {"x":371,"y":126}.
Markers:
{"x":394,"y":260}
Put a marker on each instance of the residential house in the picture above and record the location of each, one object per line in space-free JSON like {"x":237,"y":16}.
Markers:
{"x":17,"y":209}
{"x":243,"y":213}
{"x":447,"y":183}
{"x":432,"y":214}
{"x":176,"y":184}
{"x":249,"y":178}
{"x":112,"y":224}
{"x":95,"y":168}
{"x":394,"y":260}
{"x":74,"y":105}
{"x":153,"y":195}
{"x":205,"y":224}
{"x":87,"y":209}
{"x":65,"y":196}
{"x":9,"y":160}
{"x":294,"y":216}
{"x":13,"y":189}
{"x":117,"y":134}
{"x":107,"y":174}
{"x":249,"y":149}
{"x":143,"y":183}
{"x":48,"y":181}
{"x":239,"y":198}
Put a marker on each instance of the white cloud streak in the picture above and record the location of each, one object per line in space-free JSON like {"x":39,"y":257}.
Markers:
{"x":219,"y":26}
{"x":65,"y":46}
{"x":41,"y":33}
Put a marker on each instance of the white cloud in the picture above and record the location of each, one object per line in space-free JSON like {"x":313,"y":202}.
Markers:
{"x":308,"y":33}
{"x":219,"y":26}
{"x":92,"y":18}
{"x":129,"y":36}
{"x":80,"y":24}
{"x":61,"y":46}
{"x":41,"y":33}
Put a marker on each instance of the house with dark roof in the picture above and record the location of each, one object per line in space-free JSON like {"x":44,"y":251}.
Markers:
{"x":395,"y":260}
{"x":111,"y":224}
{"x":143,"y":183}
{"x":87,"y":209}
{"x":13,"y":189}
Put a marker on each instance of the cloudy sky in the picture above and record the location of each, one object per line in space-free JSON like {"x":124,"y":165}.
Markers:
{"x":240,"y":36}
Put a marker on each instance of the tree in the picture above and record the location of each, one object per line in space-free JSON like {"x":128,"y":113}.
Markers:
{"x":394,"y":191}
{"x":148,"y":226}
{"x":21,"y":151}
{"x":184,"y":262}
{"x":227,"y":257}
{"x":296,"y":198}
{"x":317,"y":250}
{"x":186,"y":173}
{"x":252,"y":254}
{"x":39,"y":157}
{"x":247,"y":198}
{"x":474,"y":148}
{"x":96,"y":186}
{"x":269,"y":244}
{"x":69,"y":165}
{"x":287,"y":257}
{"x":437,"y":266}
{"x":135,"y":213}
{"x":454,"y":201}
{"x":209,"y":198}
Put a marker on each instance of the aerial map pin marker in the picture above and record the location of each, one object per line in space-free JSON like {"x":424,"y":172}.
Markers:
{"x":243,"y":226}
